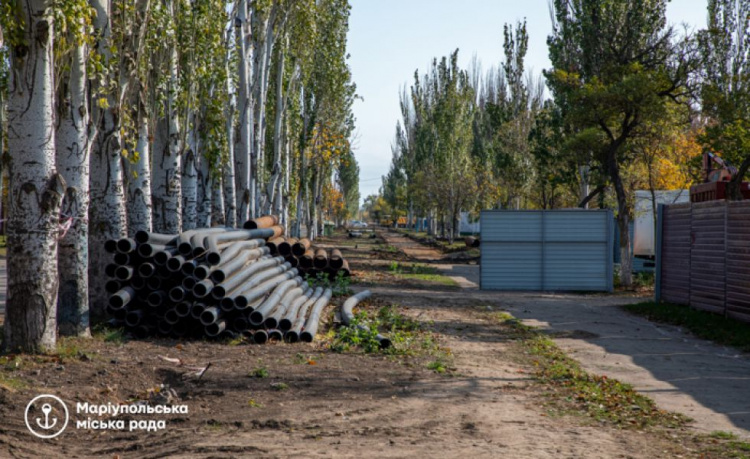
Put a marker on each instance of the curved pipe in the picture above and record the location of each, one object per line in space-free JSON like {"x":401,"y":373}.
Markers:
{"x":121,"y":298}
{"x":299,"y":322}
{"x":273,"y":317}
{"x":258,"y":315}
{"x":235,"y":264}
{"x":175,"y":263}
{"x":148,"y":250}
{"x":248,"y":296}
{"x":212,"y":241}
{"x":287,"y":321}
{"x":177,"y":294}
{"x":235,"y":247}
{"x":156,"y":298}
{"x":188,"y":283}
{"x":124,"y":273}
{"x":171,"y":317}
{"x":347,"y":315}
{"x":183,"y":241}
{"x":188,"y":267}
{"x":250,"y":277}
{"x":311,"y":326}
{"x":143,"y":237}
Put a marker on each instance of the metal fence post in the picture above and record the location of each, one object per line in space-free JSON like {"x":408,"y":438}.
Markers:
{"x":657,"y":251}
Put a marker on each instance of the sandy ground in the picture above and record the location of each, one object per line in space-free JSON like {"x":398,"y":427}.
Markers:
{"x":704,"y":381}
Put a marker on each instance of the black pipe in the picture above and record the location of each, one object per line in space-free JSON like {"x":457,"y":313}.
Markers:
{"x":143,"y":237}
{"x":347,"y":315}
{"x":146,"y":270}
{"x":213,"y":240}
{"x":234,"y":249}
{"x":148,"y":250}
{"x":240,"y":324}
{"x":232,"y":266}
{"x":161,"y":257}
{"x":250,"y":277}
{"x":286,"y":323}
{"x":273,"y":317}
{"x":121,"y":259}
{"x":177,"y":294}
{"x":183,"y":308}
{"x":112,"y":286}
{"x":183,"y":241}
{"x":175,"y":263}
{"x":124,"y":273}
{"x":216,"y":328}
{"x":126,"y":245}
{"x":246,"y":297}
{"x":156,"y":298}
{"x":171,"y":317}
{"x":189,"y":267}
{"x":257,"y":317}
{"x":203,"y":288}
{"x":138,"y":283}
{"x":260,"y":337}
{"x":134,"y":318}
{"x":197,"y":310}
{"x":210,"y":315}
{"x":275,"y":335}
{"x":164,"y":328}
{"x":122,"y":298}
{"x":153,"y":283}
{"x":110,"y":246}
{"x":299,"y":322}
{"x":110,"y":269}
{"x":188,"y":283}
{"x":311,"y":326}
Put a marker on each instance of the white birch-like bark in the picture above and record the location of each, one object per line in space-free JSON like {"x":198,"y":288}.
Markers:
{"x":139,"y":182}
{"x":190,"y":180}
{"x":36,"y":189}
{"x":204,"y":195}
{"x":167,"y":162}
{"x":217,"y":202}
{"x":73,"y":145}
{"x":273,"y":196}
{"x":243,"y":170}
{"x":107,"y":214}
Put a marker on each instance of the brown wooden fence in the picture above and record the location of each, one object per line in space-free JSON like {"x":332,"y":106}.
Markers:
{"x":703,"y":256}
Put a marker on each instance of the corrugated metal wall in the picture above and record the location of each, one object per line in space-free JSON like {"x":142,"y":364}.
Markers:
{"x":546,"y":250}
{"x":704,"y":251}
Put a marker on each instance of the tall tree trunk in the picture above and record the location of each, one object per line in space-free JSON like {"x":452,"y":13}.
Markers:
{"x":73,"y":145}
{"x":217,"y":203}
{"x":189,"y":180}
{"x":229,"y":207}
{"x":107,"y":215}
{"x":36,"y":189}
{"x":139,"y":182}
{"x":243,"y":170}
{"x":278,"y":139}
{"x":205,"y":194}
{"x":623,"y":223}
{"x":166,"y":182}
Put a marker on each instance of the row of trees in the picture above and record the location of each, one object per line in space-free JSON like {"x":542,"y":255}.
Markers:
{"x":161,"y":115}
{"x":633,"y":104}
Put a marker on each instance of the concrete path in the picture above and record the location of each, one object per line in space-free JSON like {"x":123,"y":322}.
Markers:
{"x":707,"y":382}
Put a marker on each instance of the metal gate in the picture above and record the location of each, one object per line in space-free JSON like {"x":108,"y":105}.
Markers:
{"x":547,"y":250}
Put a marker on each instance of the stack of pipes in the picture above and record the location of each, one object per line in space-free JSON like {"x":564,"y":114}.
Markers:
{"x":309,"y":260}
{"x":214,"y":282}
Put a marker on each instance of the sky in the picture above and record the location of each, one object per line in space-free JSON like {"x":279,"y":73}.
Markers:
{"x":390,"y":39}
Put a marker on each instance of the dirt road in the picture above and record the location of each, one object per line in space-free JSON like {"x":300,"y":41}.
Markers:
{"x":704,"y":381}
{"x":310,"y":401}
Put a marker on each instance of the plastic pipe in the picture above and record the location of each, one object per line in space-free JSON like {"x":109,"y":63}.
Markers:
{"x":287,"y":321}
{"x":300,"y":247}
{"x":121,"y":298}
{"x":143,"y":237}
{"x":250,"y":276}
{"x":347,"y":315}
{"x":273,"y":317}
{"x":257,"y":317}
{"x":311,"y":326}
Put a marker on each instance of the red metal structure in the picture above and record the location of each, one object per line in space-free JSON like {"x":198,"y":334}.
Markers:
{"x":716,"y":180}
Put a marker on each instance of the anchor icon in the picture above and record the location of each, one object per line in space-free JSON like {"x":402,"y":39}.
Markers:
{"x":46,"y":409}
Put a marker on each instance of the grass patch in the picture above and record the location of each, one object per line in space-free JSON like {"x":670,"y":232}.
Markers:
{"x":408,"y":337}
{"x":438,"y":366}
{"x":279,"y":386}
{"x":435,"y":278}
{"x":70,"y":348}
{"x":260,"y":372}
{"x":339,"y":285}
{"x":572,"y":389}
{"x":703,"y":324}
{"x":420,"y":272}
